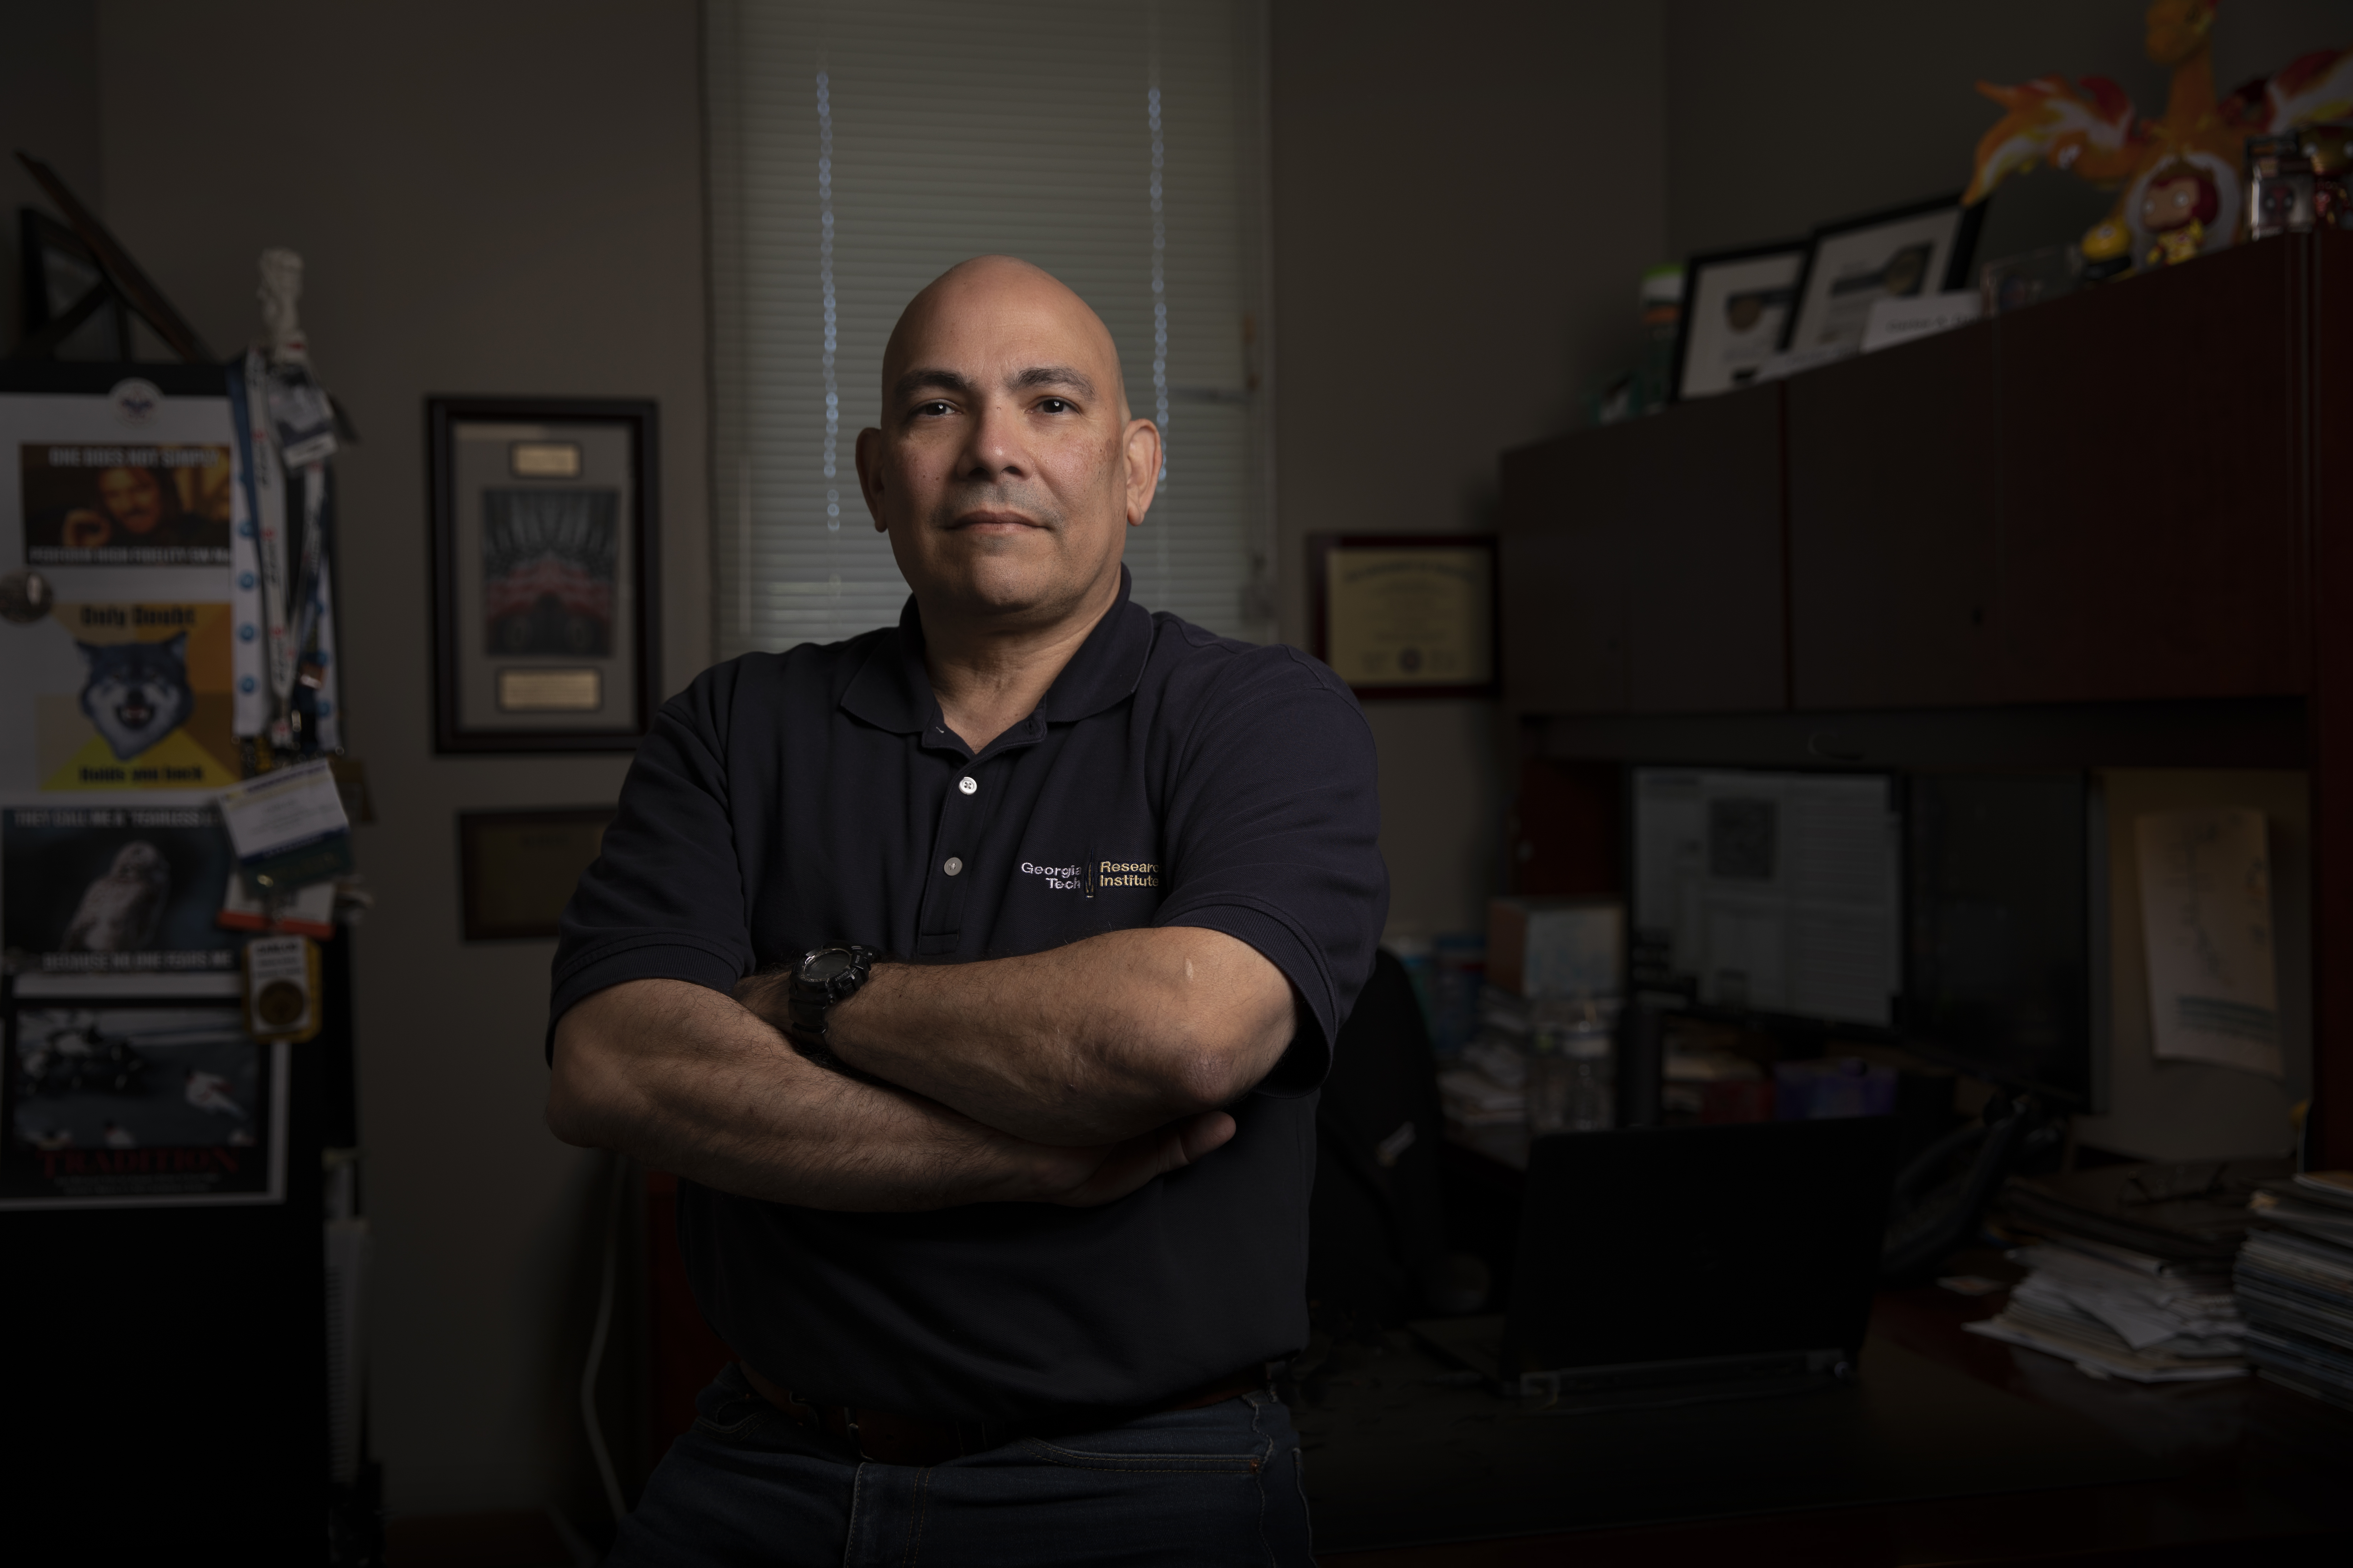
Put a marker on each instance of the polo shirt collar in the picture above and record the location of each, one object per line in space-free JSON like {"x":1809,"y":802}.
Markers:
{"x":891,"y":691}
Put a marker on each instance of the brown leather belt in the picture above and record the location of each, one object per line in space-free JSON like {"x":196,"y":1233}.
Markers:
{"x":891,"y":1438}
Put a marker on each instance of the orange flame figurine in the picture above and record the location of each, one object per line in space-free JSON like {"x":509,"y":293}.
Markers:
{"x":2181,"y":187}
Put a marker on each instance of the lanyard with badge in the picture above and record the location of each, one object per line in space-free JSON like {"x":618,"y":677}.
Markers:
{"x":286,"y":679}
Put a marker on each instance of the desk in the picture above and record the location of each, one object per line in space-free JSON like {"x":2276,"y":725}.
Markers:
{"x":1953,"y":1449}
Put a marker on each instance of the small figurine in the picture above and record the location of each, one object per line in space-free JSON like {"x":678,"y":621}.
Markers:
{"x":2328,"y":149}
{"x":2177,"y":203}
{"x":2107,"y":251}
{"x":282,"y":286}
{"x":2194,"y":150}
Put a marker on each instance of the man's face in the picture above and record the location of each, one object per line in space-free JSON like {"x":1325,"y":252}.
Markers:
{"x":132,"y":498}
{"x":1006,"y":470}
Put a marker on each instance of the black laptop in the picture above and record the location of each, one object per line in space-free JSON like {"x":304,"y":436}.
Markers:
{"x":1667,"y":1265}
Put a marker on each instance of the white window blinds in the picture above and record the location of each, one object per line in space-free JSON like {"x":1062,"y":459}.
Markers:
{"x":859,"y":150}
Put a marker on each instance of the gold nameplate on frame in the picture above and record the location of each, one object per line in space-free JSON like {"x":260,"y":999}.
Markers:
{"x":551,"y":690}
{"x":544,"y":459}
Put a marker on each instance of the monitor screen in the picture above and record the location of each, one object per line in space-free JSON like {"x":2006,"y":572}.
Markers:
{"x":2000,"y":968}
{"x":1770,"y":892}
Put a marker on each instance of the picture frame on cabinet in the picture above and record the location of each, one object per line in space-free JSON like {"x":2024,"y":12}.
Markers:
{"x":1735,"y":312}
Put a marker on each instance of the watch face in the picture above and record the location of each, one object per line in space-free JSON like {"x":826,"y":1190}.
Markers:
{"x":825,"y":964}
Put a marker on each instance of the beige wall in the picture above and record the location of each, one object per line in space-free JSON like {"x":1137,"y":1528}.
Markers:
{"x":1463,"y":197}
{"x":489,"y":198}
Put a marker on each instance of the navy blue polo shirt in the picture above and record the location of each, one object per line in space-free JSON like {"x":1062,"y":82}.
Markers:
{"x":1170,"y":777}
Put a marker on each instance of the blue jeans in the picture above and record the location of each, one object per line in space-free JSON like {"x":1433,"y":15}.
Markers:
{"x":1218,"y":1485}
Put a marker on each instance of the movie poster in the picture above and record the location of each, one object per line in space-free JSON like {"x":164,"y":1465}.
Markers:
{"x":99,"y":901}
{"x":133,"y":696}
{"x":161,"y":505}
{"x":548,"y":562}
{"x":139,"y":1106}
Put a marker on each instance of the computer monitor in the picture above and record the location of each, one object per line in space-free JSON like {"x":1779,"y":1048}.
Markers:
{"x":1951,"y":912}
{"x":2002,"y":960}
{"x":1778,"y":893}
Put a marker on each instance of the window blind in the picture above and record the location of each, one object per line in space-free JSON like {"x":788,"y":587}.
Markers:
{"x":856,"y":151}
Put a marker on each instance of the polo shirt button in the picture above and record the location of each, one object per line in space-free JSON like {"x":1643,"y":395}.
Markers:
{"x":969,"y":785}
{"x":953,"y":867}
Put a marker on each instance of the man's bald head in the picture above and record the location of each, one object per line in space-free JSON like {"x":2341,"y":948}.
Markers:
{"x":998,"y":289}
{"x":1006,"y":469}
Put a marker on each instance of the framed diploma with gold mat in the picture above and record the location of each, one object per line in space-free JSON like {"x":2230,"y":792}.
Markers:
{"x":546,"y":602}
{"x":1405,"y":615}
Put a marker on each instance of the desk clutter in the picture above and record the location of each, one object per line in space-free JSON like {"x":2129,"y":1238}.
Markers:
{"x":2294,"y":1283}
{"x":2185,"y":1273}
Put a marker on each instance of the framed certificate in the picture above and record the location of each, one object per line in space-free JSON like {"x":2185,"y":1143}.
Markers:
{"x":547,"y":606}
{"x":1405,"y":615}
{"x":517,"y":869}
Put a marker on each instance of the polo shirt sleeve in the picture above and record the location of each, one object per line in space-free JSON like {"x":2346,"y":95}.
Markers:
{"x":1273,"y":838}
{"x":664,"y":899}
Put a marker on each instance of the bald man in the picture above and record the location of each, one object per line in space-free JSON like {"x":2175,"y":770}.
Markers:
{"x":976,"y":976}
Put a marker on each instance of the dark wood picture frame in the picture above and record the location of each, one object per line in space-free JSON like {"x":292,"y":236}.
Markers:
{"x":1320,"y":547}
{"x":641,"y":555}
{"x":476,"y":921}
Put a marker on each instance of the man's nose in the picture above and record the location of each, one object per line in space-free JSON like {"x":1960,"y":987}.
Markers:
{"x":996,"y":443}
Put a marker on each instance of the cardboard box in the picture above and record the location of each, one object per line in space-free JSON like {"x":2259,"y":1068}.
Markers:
{"x":1557,"y":947}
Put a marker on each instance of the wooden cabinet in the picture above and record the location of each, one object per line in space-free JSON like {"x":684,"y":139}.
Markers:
{"x":1893,"y":593}
{"x":2150,"y":500}
{"x":1642,"y":564}
{"x":1706,"y":613}
{"x":2102,"y":499}
{"x":1567,"y":506}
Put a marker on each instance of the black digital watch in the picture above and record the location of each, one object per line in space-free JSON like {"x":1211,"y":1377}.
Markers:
{"x":822,"y":979}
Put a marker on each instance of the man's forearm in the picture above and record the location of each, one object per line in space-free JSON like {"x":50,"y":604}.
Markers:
{"x":688,"y":1081}
{"x":1080,"y":1045}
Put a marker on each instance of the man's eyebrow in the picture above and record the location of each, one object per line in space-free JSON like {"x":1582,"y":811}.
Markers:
{"x":915,"y":380}
{"x":1053,"y":375}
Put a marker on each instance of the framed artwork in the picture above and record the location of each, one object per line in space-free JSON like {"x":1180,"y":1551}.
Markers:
{"x":1923,"y":248}
{"x":546,"y":617}
{"x":516,"y":869}
{"x":1735,"y":311}
{"x":1405,"y":615}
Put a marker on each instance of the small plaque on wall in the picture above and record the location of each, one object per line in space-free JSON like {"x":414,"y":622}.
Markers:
{"x":517,"y":869}
{"x":1405,"y":615}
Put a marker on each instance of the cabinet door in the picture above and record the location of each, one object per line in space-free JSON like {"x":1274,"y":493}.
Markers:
{"x":1705,"y":615}
{"x":2151,"y":502}
{"x":1566,"y":507}
{"x":1892,"y":533}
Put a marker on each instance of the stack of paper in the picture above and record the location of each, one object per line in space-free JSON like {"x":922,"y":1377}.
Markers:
{"x":2294,"y":1280}
{"x":2115,"y":1313}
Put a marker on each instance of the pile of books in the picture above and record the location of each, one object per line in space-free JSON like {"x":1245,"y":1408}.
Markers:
{"x":2294,"y":1280}
{"x":2128,"y":1269}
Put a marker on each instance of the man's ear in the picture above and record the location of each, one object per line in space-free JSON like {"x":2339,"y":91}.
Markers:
{"x":870,"y":475}
{"x":1143,"y":469}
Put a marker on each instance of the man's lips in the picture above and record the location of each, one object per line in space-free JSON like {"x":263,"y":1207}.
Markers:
{"x":994,"y":520}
